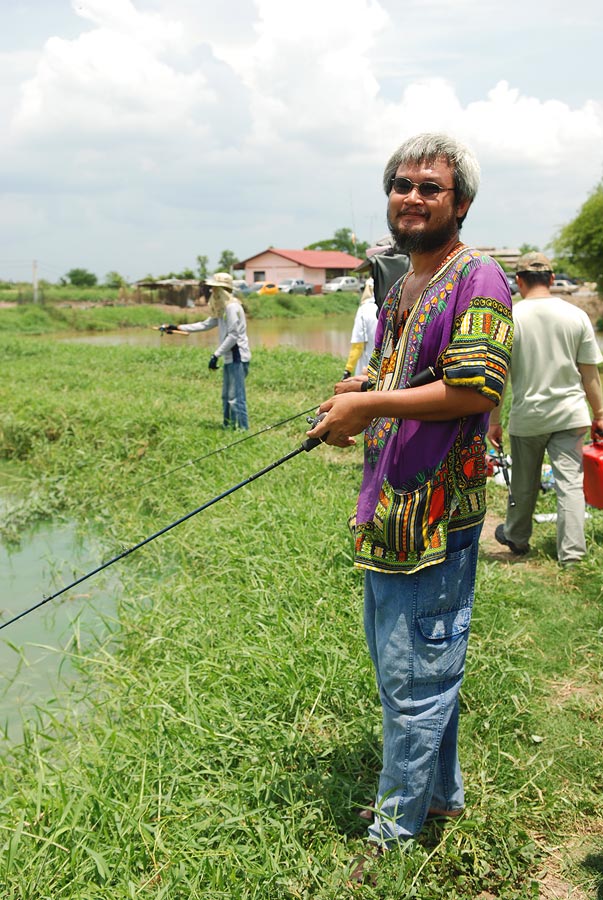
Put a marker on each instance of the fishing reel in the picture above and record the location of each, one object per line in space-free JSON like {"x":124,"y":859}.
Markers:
{"x":311,"y":443}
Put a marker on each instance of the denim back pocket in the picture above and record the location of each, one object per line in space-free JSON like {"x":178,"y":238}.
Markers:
{"x":444,"y":601}
{"x":443,"y":645}
{"x":445,"y":626}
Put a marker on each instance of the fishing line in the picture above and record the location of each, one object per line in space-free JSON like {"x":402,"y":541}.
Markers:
{"x":247,"y":437}
{"x":306,"y":446}
{"x":197,"y":459}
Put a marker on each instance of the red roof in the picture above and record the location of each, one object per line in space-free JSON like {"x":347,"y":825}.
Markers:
{"x":312,"y":259}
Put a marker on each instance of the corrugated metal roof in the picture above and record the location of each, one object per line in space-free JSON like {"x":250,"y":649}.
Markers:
{"x":312,"y":259}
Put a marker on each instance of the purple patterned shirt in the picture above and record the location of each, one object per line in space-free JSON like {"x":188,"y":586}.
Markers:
{"x":423,"y":478}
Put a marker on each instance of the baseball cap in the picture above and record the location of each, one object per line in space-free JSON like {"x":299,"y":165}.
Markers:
{"x":533,"y":262}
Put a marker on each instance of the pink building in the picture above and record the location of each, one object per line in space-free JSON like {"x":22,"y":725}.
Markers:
{"x":314,"y":266}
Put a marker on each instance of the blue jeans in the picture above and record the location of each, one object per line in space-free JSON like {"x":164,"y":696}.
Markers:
{"x":417,"y":629}
{"x":234,"y":398}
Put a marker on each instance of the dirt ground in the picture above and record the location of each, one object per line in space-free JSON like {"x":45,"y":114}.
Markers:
{"x":591,"y":303}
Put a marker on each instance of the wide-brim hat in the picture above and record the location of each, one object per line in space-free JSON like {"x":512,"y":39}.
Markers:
{"x":220,"y":279}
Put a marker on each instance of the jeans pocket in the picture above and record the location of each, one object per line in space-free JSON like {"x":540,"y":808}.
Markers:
{"x":444,"y":602}
{"x":442,"y":644}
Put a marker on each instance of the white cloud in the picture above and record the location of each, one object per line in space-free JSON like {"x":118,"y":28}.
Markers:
{"x":111,"y":79}
{"x":263,"y":123}
{"x":122,"y":17}
{"x":504,"y":126}
{"x":547,"y":133}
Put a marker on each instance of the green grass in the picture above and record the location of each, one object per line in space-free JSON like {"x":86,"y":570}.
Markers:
{"x":222,"y":731}
{"x":57,"y":293}
{"x":294,"y":305}
{"x":50,"y":319}
{"x":46,"y":319}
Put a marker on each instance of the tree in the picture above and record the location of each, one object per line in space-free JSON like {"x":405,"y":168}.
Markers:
{"x":527,"y":248}
{"x":81,"y":278}
{"x":227,"y":261}
{"x":202,"y":266}
{"x":185,"y":274}
{"x":114,"y":280}
{"x":343,"y":240}
{"x":579,"y":245}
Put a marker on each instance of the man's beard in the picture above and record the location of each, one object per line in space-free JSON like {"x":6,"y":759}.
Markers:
{"x":423,"y":241}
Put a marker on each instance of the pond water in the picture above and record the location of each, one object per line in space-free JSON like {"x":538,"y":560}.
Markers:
{"x":330,"y":334}
{"x":31,"y":660}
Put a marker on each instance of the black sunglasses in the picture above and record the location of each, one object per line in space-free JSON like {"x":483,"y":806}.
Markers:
{"x":426,"y":189}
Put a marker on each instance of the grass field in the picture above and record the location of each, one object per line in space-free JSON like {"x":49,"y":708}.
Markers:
{"x":224,"y":728}
{"x":49,"y":318}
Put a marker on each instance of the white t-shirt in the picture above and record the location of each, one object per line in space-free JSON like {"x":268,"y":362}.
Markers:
{"x":363,"y":332}
{"x":551,"y":337}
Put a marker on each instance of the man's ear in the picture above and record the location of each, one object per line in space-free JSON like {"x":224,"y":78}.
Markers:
{"x":462,"y":208}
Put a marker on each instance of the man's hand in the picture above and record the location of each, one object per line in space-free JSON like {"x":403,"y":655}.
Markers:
{"x":168,"y":328}
{"x":495,"y":433}
{"x":213,"y":362}
{"x":596,"y":431}
{"x":350,"y":384}
{"x":347,"y":414}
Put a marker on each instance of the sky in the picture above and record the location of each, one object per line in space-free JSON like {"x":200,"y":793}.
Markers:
{"x":139,"y":134}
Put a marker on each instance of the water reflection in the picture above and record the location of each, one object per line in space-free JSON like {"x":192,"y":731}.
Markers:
{"x":320,"y":335}
{"x":31,"y":661}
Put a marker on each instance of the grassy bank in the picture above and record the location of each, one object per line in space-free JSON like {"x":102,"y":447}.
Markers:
{"x":221,"y":735}
{"x":53,"y":319}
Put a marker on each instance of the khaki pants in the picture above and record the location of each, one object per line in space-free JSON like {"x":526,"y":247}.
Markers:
{"x":565,"y":453}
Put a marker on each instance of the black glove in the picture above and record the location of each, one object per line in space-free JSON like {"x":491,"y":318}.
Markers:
{"x":168,"y":328}
{"x":213,"y":361}
{"x":346,"y":375}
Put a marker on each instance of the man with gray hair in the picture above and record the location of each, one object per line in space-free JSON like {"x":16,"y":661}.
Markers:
{"x":554,"y":372}
{"x":442,"y":349}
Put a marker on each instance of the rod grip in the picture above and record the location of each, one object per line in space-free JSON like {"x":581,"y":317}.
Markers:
{"x":425,"y":376}
{"x":311,"y":442}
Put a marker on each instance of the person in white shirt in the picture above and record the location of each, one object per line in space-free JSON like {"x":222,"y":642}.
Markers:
{"x":363,"y":333}
{"x":554,"y":377}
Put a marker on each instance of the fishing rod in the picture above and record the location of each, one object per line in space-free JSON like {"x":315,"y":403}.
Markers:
{"x":503,"y":465}
{"x":306,"y":445}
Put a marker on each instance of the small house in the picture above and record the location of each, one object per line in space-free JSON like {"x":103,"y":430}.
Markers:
{"x":314,"y":266}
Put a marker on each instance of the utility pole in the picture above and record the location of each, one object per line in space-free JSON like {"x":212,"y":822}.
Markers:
{"x":34,"y":280}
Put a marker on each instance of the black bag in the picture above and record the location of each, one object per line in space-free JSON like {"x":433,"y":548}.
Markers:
{"x":386,"y":269}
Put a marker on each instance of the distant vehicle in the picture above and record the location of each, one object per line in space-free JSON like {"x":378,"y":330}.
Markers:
{"x":264,"y":287}
{"x":342,"y":283}
{"x":563,"y":286}
{"x":566,"y":277}
{"x":241,"y":287}
{"x":512,"y":284}
{"x":296,"y":286}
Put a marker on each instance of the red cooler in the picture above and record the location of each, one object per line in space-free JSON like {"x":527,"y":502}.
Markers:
{"x":593,"y":474}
